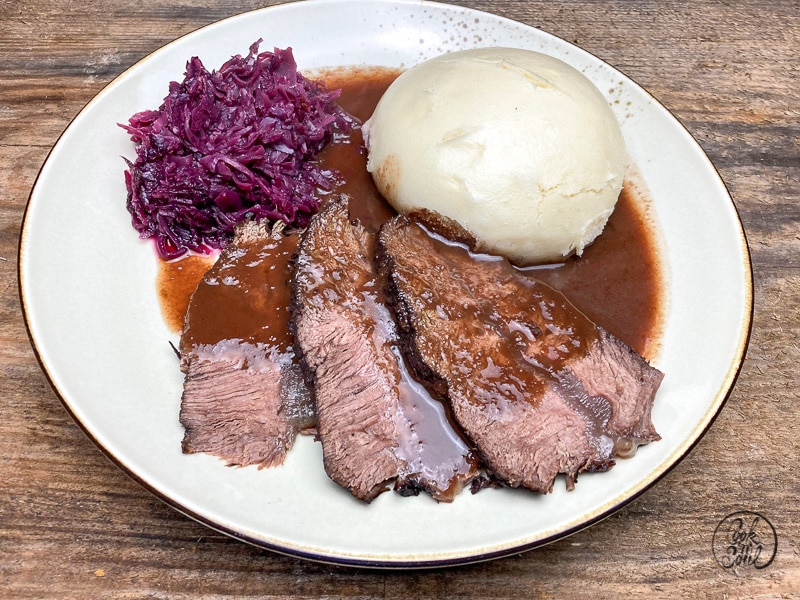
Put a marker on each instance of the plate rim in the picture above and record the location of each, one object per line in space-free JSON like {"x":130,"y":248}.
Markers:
{"x":643,"y":485}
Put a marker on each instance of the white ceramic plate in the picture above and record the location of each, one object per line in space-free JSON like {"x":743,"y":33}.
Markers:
{"x":88,"y":291}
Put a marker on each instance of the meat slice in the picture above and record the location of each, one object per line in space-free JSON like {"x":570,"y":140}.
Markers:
{"x":376,"y":425}
{"x":538,"y":388}
{"x":244,"y":398}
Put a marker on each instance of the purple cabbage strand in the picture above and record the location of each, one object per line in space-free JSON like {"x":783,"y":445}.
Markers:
{"x":229,"y":145}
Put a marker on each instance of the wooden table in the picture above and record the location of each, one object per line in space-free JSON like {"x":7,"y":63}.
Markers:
{"x":74,"y":525}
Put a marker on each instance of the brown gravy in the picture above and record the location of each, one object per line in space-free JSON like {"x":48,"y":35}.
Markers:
{"x":176,"y":281}
{"x":617,"y":282}
{"x":245,"y":297}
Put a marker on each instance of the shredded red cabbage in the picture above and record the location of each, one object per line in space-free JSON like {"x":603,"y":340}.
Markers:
{"x":229,"y":145}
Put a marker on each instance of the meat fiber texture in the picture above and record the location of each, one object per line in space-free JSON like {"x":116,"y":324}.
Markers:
{"x":243,"y":400}
{"x":346,"y":340}
{"x":537,"y":387}
{"x":232,"y":406}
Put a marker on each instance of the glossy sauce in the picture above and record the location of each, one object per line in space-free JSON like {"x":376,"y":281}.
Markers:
{"x":245,"y":297}
{"x":498,"y":346}
{"x":549,"y":336}
{"x":361,"y":91}
{"x":618,"y":282}
{"x":177,"y":280}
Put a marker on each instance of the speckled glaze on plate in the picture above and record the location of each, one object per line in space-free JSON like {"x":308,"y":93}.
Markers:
{"x":87,"y":285}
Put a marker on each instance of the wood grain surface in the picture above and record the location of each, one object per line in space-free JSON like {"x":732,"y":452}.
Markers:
{"x":72,"y":525}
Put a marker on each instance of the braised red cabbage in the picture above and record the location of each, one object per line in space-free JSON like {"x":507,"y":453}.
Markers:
{"x":229,"y":145}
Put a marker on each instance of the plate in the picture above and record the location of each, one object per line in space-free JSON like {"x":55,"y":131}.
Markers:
{"x":88,"y":293}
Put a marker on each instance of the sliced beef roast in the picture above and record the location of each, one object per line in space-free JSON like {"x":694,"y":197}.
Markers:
{"x":244,"y":398}
{"x":538,"y":388}
{"x":376,"y":425}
